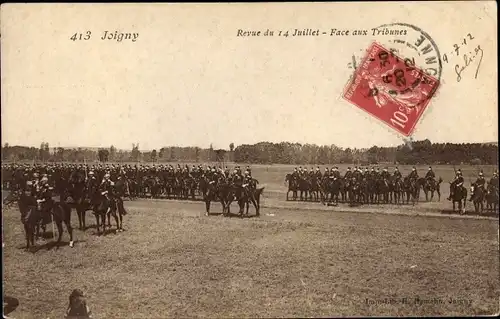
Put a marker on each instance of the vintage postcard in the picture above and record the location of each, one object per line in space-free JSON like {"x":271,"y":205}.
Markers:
{"x":249,"y":160}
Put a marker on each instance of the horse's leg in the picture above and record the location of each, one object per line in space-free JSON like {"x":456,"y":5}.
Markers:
{"x":207,"y":206}
{"x":27,"y":230}
{"x":97,"y":219}
{"x":115,"y":216}
{"x":67,"y":222}
{"x":80,"y":218}
{"x":59,"y":230}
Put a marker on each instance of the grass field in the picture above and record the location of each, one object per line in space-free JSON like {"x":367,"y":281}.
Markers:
{"x":296,"y":260}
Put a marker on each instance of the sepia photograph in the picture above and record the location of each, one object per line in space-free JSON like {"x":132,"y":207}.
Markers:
{"x":249,"y":160}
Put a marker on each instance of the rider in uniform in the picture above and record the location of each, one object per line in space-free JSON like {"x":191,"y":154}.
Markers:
{"x":91,"y":184}
{"x":248,"y":181}
{"x":397,"y":174}
{"x":479,"y":183}
{"x":106,"y":187}
{"x":429,"y":176}
{"x":493,"y":183}
{"x":385,"y":174}
{"x":348,"y":173}
{"x":413,"y":175}
{"x":318,"y":174}
{"x":457,"y":182}
{"x":44,"y":196}
{"x":35,"y":185}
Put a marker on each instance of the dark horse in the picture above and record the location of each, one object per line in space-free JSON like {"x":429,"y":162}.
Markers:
{"x":459,"y":196}
{"x":250,"y":195}
{"x":32,"y":215}
{"x":398,"y":191}
{"x":477,"y":197}
{"x":212,"y":194}
{"x":431,"y":185}
{"x":492,"y":198}
{"x":293,"y":186}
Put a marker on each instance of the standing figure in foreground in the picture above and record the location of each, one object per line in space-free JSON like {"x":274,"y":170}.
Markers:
{"x":78,"y":307}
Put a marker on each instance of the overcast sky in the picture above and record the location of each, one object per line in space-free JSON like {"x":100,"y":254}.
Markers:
{"x":188,"y":80}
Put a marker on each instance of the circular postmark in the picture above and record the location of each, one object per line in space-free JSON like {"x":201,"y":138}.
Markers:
{"x":417,"y":64}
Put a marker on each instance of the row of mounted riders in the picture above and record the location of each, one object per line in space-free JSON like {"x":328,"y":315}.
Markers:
{"x":380,"y":189}
{"x":41,"y":201}
{"x":178,"y":184}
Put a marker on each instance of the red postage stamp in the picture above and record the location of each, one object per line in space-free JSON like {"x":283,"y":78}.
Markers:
{"x":391,"y":88}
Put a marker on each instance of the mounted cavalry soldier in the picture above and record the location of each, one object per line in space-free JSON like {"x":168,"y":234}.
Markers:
{"x":44,"y":197}
{"x":493,"y":183}
{"x":429,"y":176}
{"x":34,"y":185}
{"x":348,"y":173}
{"x":413,"y":174}
{"x":91,"y":185}
{"x":397,"y":174}
{"x":106,"y":187}
{"x":456,"y":183}
{"x":318,"y":174}
{"x":385,"y":174}
{"x":480,"y":181}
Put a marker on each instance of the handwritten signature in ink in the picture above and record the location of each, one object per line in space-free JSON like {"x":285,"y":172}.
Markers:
{"x":478,"y":52}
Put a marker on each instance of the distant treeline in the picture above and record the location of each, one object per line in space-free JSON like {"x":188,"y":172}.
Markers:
{"x":418,"y":152}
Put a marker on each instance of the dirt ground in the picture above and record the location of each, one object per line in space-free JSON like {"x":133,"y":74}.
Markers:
{"x":296,"y":260}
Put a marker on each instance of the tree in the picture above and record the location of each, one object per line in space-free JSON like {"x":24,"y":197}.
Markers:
{"x":153,"y":155}
{"x":231,"y":147}
{"x":135,"y":152}
{"x":112,"y":153}
{"x":5,"y":151}
{"x":210,"y":153}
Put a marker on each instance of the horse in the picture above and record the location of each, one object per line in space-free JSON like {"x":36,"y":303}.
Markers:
{"x":250,"y":195}
{"x":32,"y":215}
{"x":152,"y":185}
{"x":314,"y":188}
{"x":430,"y":185}
{"x":212,"y":195}
{"x":353,"y":190}
{"x":398,"y":191}
{"x":492,"y":199}
{"x":101,"y":206}
{"x":188,"y":187}
{"x":382,"y":186}
{"x":78,"y":193}
{"x":122,"y":188}
{"x":333,"y":189}
{"x":202,"y":186}
{"x":293,"y":186}
{"x":477,"y":196}
{"x":459,"y":196}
